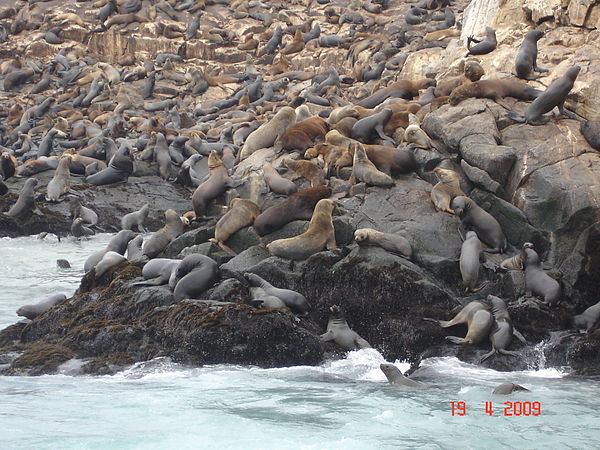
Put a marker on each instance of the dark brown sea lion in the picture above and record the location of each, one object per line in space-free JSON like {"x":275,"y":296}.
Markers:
{"x":475,"y":218}
{"x":526,"y":61}
{"x":302,"y":135}
{"x":242,"y":214}
{"x":308,"y":170}
{"x":494,"y":89}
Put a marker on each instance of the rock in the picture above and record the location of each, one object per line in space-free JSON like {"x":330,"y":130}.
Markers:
{"x":480,"y":150}
{"x":188,"y":239}
{"x":208,"y":249}
{"x":246,"y":259}
{"x":541,"y":10}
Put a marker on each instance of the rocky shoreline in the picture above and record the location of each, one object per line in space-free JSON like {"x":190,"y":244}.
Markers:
{"x":539,"y":182}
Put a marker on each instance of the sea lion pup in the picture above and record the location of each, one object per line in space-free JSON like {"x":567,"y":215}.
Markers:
{"x":339,"y":332}
{"x":78,"y":210}
{"x":470,"y":257}
{"x":159,"y":271}
{"x":276,"y":182}
{"x":370,"y":127}
{"x":301,"y":135}
{"x":241,"y":214}
{"x":365,"y":171}
{"x":24,"y":205}
{"x":37,"y":309}
{"x":395,"y":376}
{"x":415,"y":135}
{"x":266,"y":135}
{"x":59,"y":184}
{"x":195,"y":274}
{"x":341,"y":113}
{"x":508,"y":388}
{"x":292,"y":299}
{"x":117,"y":244}
{"x":494,"y":89}
{"x":134,"y":249}
{"x":298,"y":206}
{"x":475,"y":218}
{"x":554,"y":95}
{"x":526,"y":61}
{"x":537,"y":281}
{"x":484,"y":46}
{"x":472,"y":72}
{"x":320,"y":235}
{"x":390,"y":242}
{"x":136,"y":218}
{"x":588,"y":318}
{"x":478,"y":319}
{"x":109,"y":260}
{"x":516,"y":262}
{"x":308,"y":170}
{"x":400,"y":89}
{"x":591,"y":132}
{"x":79,"y":230}
{"x":216,"y":184}
{"x":502,"y":330}
{"x":446,"y":189}
{"x":162,"y":238}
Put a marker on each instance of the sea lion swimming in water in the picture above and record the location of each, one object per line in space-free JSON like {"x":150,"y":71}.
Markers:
{"x":394,"y":376}
{"x":508,"y":388}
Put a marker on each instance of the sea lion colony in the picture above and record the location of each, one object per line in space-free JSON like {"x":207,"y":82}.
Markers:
{"x":315,"y":131}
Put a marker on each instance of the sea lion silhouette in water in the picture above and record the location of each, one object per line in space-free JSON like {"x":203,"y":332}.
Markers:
{"x":502,"y":330}
{"x":394,"y":376}
{"x":508,"y":388}
{"x":478,"y":319}
{"x":339,"y":332}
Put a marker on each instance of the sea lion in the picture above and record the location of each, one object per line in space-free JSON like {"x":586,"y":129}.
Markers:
{"x":484,"y":46}
{"x":415,"y":135}
{"x":470,"y":257}
{"x":134,"y":249}
{"x":298,"y":206}
{"x":216,"y":184}
{"x":339,"y":332}
{"x":365,"y":171}
{"x":366,"y":129}
{"x":292,"y":299}
{"x":494,"y":89}
{"x":392,"y":243}
{"x":266,"y":135}
{"x":446,"y":189}
{"x":591,"y":132}
{"x":109,"y":260}
{"x":478,"y":319}
{"x":320,"y":234}
{"x":78,"y":210}
{"x":241,"y":214}
{"x":37,"y":309}
{"x":136,"y":218}
{"x":78,"y":229}
{"x":508,"y":388}
{"x":276,"y":182}
{"x":308,"y":170}
{"x":195,"y":273}
{"x":159,"y":271}
{"x":554,"y":95}
{"x":117,"y":244}
{"x":483,"y":223}
{"x":472,"y":72}
{"x":526,"y":61}
{"x":502,"y":330}
{"x":588,"y":318}
{"x":119,"y":169}
{"x":301,"y":135}
{"x":516,"y":262}
{"x":59,"y":184}
{"x":341,"y":113}
{"x":63,"y":264}
{"x":25,"y":203}
{"x":295,"y":46}
{"x":400,"y":89}
{"x":537,"y":281}
{"x":159,"y":240}
{"x":162,"y":156}
{"x":395,"y":376}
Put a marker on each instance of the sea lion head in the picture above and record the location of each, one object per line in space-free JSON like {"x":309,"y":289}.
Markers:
{"x":361,"y":235}
{"x":531,"y":257}
{"x":573,"y":72}
{"x":214,"y":160}
{"x":473,"y":70}
{"x":460,"y":205}
{"x":445,"y":175}
{"x":470,"y":235}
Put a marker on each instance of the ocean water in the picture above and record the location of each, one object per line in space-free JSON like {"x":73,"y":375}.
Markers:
{"x":344,"y":404}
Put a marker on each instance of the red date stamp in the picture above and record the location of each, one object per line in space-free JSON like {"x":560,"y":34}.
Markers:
{"x":509,"y":409}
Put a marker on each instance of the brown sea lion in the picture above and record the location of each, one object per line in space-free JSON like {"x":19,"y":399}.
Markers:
{"x":295,"y":46}
{"x":308,"y":170}
{"x":365,"y":171}
{"x":266,"y":135}
{"x":446,"y":189}
{"x":403,"y":89}
{"x":342,"y":112}
{"x":160,"y":239}
{"x":301,"y":135}
{"x":320,"y":235}
{"x":298,"y":206}
{"x":494,"y":89}
{"x":242,"y":214}
{"x":59,"y":184}
{"x":345,"y":126}
{"x":216,"y":184}
{"x":472,"y":72}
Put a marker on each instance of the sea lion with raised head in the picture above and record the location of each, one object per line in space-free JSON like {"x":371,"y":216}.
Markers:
{"x":484,"y":46}
{"x":37,"y":309}
{"x":537,"y":281}
{"x":241,"y":214}
{"x":526,"y":61}
{"x":372,"y":126}
{"x":25,"y":203}
{"x":339,"y":331}
{"x":393,"y":243}
{"x":78,"y":229}
{"x":472,"y":72}
{"x":298,"y":206}
{"x":119,"y":169}
{"x":478,"y":319}
{"x":59,"y":184}
{"x":276,"y":182}
{"x":195,"y":274}
{"x":292,"y":299}
{"x":502,"y":330}
{"x":364,"y":170}
{"x":446,"y":189}
{"x":395,"y":376}
{"x":266,"y":135}
{"x":475,"y":218}
{"x":216,"y":184}
{"x":134,"y":249}
{"x":136,"y":218}
{"x":320,"y":235}
{"x":117,"y":244}
{"x":470,"y":257}
{"x":160,"y":239}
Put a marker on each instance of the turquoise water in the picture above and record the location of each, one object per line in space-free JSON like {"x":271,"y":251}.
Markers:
{"x":345,"y":404}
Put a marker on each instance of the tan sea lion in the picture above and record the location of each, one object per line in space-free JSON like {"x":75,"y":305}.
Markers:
{"x":320,"y":235}
{"x":242,"y":214}
{"x":295,"y":46}
{"x":365,"y":171}
{"x":494,"y":89}
{"x":59,"y":184}
{"x":390,"y":242}
{"x":266,"y":135}
{"x":446,"y":189}
{"x":478,"y":319}
{"x":342,"y":112}
{"x":308,"y":170}
{"x":159,"y":240}
{"x":216,"y":184}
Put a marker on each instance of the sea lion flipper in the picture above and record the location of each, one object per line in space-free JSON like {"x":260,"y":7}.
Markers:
{"x":487,"y":355}
{"x":455,"y":339}
{"x":508,"y":352}
{"x":361,"y":343}
{"x":328,"y":336}
{"x":519,"y":336}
